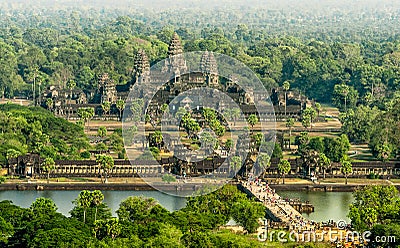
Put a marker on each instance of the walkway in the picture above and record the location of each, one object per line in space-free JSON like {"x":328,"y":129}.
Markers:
{"x":279,"y":209}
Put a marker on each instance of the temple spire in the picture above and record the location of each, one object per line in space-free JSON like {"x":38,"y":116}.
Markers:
{"x":141,"y":66}
{"x":175,"y":63}
{"x":175,"y":46}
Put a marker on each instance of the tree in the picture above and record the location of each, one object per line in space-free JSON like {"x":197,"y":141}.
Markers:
{"x":324,"y":162}
{"x":97,"y":198}
{"x":284,"y":168}
{"x":102,"y":132}
{"x":120,"y":106}
{"x":106,"y":106}
{"x":49,"y":104}
{"x":263,"y":162}
{"x":70,"y":85}
{"x":157,"y":138}
{"x":107,"y":228}
{"x":318,"y":108}
{"x":346,"y":168}
{"x":168,"y":178}
{"x":306,"y":121}
{"x":6,"y":230}
{"x":290,"y":124}
{"x":106,"y":163}
{"x":247,"y":214}
{"x":252,"y":119}
{"x":228,"y":144}
{"x":84,"y":200}
{"x":286,"y":87}
{"x":344,"y":96}
{"x":86,"y":114}
{"x":48,"y":166}
{"x":234,"y":164}
{"x":136,"y":209}
{"x":308,"y":116}
{"x":374,"y":204}
{"x":136,"y":108}
{"x":43,"y":207}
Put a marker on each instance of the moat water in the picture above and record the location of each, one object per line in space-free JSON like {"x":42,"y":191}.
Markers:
{"x":328,"y":205}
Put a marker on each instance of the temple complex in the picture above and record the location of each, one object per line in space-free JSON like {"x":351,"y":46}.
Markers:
{"x":67,"y":101}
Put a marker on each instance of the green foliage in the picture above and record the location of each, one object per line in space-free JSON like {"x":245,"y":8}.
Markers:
{"x":32,"y":129}
{"x":252,"y":120}
{"x":247,"y":213}
{"x":2,"y":179}
{"x":168,"y":178}
{"x":375,"y":204}
{"x":6,"y":230}
{"x":284,"y":168}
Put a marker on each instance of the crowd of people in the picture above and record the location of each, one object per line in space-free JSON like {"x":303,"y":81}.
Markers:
{"x":278,"y":206}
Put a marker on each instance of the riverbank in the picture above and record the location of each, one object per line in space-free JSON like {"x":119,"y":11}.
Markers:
{"x":137,"y":184}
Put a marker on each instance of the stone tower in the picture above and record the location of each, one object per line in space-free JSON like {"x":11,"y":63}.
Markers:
{"x":208,"y":65}
{"x":141,"y":68}
{"x":107,"y":89}
{"x":175,"y":63}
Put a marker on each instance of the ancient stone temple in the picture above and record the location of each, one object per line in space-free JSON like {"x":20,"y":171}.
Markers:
{"x":141,"y":68}
{"x":175,"y":63}
{"x":176,"y":77}
{"x":107,"y":89}
{"x":208,"y":65}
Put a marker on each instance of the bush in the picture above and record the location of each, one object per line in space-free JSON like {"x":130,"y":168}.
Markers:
{"x":2,"y":179}
{"x":168,"y":178}
{"x":85,"y":154}
{"x":373,"y":176}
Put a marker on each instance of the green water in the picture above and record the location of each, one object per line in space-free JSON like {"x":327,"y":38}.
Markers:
{"x":328,"y":205}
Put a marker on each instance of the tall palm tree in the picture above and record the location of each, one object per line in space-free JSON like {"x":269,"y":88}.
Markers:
{"x":97,"y":199}
{"x":84,"y":200}
{"x":105,"y":162}
{"x":284,"y":168}
{"x":48,"y":165}
{"x":286,"y":87}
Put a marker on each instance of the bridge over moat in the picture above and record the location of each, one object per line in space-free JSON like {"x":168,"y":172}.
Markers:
{"x":278,"y":209}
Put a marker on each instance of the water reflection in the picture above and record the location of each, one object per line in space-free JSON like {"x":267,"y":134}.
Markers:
{"x":327,"y":205}
{"x":63,"y":199}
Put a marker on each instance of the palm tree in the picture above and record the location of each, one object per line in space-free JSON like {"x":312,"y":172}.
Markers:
{"x":284,"y":168}
{"x":263,"y":162}
{"x":157,"y":138}
{"x":120,"y":106}
{"x":70,"y":85}
{"x":105,"y":163}
{"x":106,"y":106}
{"x":48,"y":165}
{"x":97,"y":199}
{"x":84,"y":200}
{"x":253,"y":120}
{"x":290,"y":124}
{"x":235,"y":115}
{"x":286,"y":87}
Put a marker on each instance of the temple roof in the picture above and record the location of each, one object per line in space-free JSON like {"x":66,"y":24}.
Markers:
{"x":175,"y":46}
{"x":141,"y":63}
